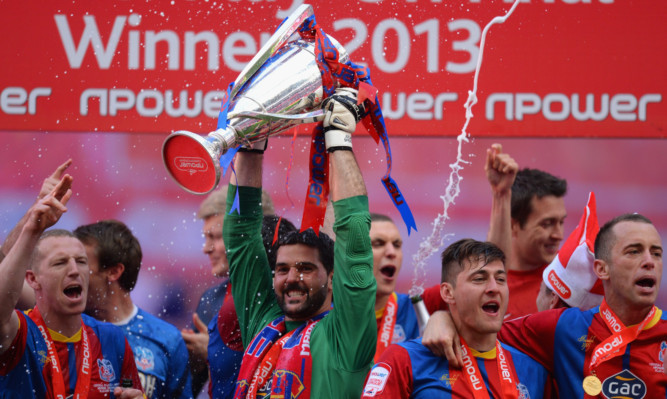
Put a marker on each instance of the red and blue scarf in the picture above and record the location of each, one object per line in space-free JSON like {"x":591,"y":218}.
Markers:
{"x":282,"y":358}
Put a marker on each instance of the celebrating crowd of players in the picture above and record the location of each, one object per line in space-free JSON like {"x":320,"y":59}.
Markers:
{"x":298,"y":315}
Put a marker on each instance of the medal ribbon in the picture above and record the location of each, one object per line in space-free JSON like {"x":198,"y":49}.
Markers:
{"x":267,"y":366}
{"x":315,"y":206}
{"x":57,"y":381}
{"x":386,"y":328}
{"x":334,"y":74}
{"x":620,"y":338}
{"x":506,"y":374}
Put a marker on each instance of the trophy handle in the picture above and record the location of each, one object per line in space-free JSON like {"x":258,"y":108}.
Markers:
{"x":308,"y":117}
{"x":275,"y":42}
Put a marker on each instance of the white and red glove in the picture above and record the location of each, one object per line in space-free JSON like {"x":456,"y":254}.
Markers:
{"x":340,"y":119}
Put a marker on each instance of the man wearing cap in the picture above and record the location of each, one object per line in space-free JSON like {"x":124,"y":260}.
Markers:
{"x":616,"y":349}
{"x":570,"y":280}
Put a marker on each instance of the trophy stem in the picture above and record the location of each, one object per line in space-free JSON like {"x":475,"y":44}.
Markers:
{"x":225,"y":138}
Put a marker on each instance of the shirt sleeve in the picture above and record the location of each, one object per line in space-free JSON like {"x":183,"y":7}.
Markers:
{"x":180,"y":381}
{"x":129,"y":370}
{"x":11,"y":357}
{"x":391,"y":377}
{"x":433,"y":300}
{"x":534,"y":335}
{"x":250,"y":275}
{"x":351,"y":324}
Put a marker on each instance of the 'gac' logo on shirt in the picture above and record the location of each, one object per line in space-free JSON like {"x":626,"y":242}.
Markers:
{"x":625,"y":385}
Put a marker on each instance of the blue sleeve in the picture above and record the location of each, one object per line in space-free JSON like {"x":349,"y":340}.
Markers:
{"x":180,"y":384}
{"x":407,"y":317}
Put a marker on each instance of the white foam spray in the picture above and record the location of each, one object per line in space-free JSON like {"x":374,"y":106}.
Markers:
{"x":433,"y":242}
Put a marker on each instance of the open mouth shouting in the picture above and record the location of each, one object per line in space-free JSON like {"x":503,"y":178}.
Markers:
{"x":646,"y":284}
{"x":491,"y":308}
{"x":388,"y":271}
{"x":73,"y":291}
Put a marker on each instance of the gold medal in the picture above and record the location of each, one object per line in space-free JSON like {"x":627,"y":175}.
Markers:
{"x":592,"y":385}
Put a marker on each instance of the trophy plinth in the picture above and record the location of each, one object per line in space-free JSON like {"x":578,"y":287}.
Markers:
{"x":193,"y":161}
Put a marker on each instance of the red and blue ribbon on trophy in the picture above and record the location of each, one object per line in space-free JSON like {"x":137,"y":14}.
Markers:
{"x":334,"y":74}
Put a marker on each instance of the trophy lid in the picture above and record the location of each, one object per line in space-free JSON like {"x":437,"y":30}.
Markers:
{"x":187,"y":157}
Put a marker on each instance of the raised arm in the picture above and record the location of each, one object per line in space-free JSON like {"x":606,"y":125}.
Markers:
{"x":42,"y":215}
{"x":351,"y":324}
{"x":250,"y":275}
{"x":27,"y":297}
{"x":501,"y":169}
{"x":47,"y":186}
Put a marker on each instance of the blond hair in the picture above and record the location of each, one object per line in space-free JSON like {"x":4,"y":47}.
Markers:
{"x":216,"y":202}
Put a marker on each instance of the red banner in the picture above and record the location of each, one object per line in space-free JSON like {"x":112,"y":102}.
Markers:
{"x":582,"y":68}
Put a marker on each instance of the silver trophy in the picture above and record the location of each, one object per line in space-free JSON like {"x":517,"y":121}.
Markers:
{"x":280,"y":88}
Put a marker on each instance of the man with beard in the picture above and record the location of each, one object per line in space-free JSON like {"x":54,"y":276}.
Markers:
{"x":296,"y":343}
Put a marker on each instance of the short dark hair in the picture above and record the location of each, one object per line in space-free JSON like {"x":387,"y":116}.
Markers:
{"x":467,"y":250}
{"x":35,"y":256}
{"x":114,"y":243}
{"x":531,"y":183}
{"x":606,"y":238}
{"x":322,"y":242}
{"x":269,"y":224}
{"x":378,"y":217}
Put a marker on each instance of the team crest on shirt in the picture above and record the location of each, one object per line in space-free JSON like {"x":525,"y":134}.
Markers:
{"x":43,"y":358}
{"x":624,"y":385}
{"x":289,"y":384}
{"x":659,"y":367}
{"x":144,"y":358}
{"x":523,"y":391}
{"x":106,"y":370}
{"x":399,"y":334}
{"x":586,"y":342}
{"x":377,"y":379}
{"x":449,"y":380}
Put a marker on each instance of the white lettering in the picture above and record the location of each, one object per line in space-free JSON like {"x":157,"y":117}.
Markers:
{"x":85,"y":368}
{"x":378,"y":48}
{"x":133,"y":46}
{"x":470,"y":369}
{"x":305,"y":346}
{"x":13,"y":99}
{"x":615,"y":325}
{"x":230,"y":51}
{"x":154,"y":96}
{"x":120,"y":99}
{"x":173,"y":52}
{"x":183,"y":104}
{"x":212,"y":46}
{"x":504,"y":367}
{"x":559,"y":107}
{"x":564,"y":291}
{"x":49,"y":348}
{"x":151,"y":103}
{"x":387,"y":325}
{"x":90,"y":37}
{"x":420,"y":106}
